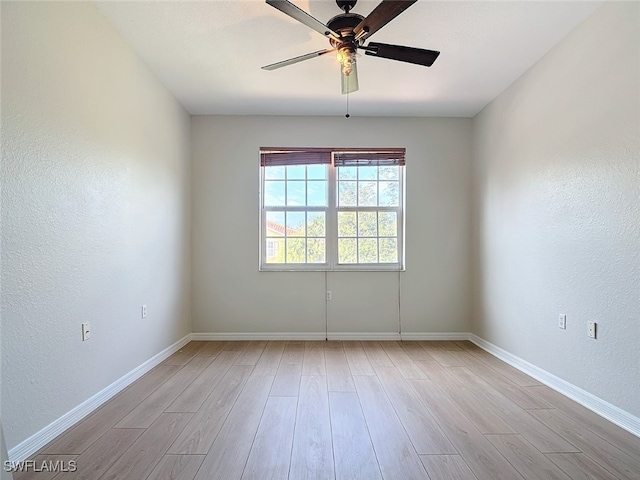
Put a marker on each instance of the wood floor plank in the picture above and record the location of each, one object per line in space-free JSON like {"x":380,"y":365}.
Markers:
{"x":202,"y":430}
{"x":415,"y":351}
{"x":354,"y":456}
{"x":270,"y":359}
{"x":504,"y":369}
{"x":97,"y":459}
{"x":432,"y":345}
{"x":287,"y":380}
{"x":185,"y":354}
{"x":524,"y":397}
{"x":482,"y":415}
{"x":177,"y":467}
{"x":293,"y":352}
{"x":356,"y":358}
{"x":151,"y":407}
{"x":407,"y":367}
{"x":192,"y":398}
{"x":312,"y":453}
{"x":526,"y":459}
{"x":534,"y":431}
{"x":481,"y":457}
{"x":236,"y":345}
{"x":85,"y":433}
{"x":270,"y":456}
{"x":602,"y":452}
{"x":425,"y":433}
{"x":313,"y":361}
{"x":145,"y":453}
{"x":338,"y":373}
{"x":396,"y":456}
{"x":447,"y":467}
{"x":43,"y":467}
{"x":228,"y":454}
{"x":212,"y":349}
{"x":467,"y":345}
{"x":452,"y":358}
{"x":580,"y":467}
{"x":625,"y":441}
{"x":376,"y":354}
{"x":251,"y":354}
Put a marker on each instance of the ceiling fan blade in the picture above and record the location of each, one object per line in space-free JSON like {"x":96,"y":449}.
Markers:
{"x":418,"y":56}
{"x":303,"y":17}
{"x":301,"y":58}
{"x":349,"y":82}
{"x":386,"y":11}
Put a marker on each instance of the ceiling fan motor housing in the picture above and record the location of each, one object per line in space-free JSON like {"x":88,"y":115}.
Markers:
{"x":344,"y":25}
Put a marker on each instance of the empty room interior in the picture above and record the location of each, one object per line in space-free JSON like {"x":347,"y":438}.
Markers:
{"x":237,"y":245}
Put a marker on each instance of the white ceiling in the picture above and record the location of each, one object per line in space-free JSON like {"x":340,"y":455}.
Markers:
{"x":209,"y":54}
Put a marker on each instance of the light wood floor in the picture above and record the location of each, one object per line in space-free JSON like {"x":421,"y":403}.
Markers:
{"x":343,"y":410}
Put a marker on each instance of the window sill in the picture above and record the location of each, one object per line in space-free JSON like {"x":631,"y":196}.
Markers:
{"x":337,"y":269}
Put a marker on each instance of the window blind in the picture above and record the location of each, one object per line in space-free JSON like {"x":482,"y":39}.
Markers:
{"x":352,"y":157}
{"x":378,"y":158}
{"x":295,"y":157}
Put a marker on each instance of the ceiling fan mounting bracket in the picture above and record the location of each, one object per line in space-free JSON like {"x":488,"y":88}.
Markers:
{"x":346,"y":5}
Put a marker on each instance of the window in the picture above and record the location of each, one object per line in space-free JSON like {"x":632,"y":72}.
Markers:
{"x":272,"y":248}
{"x":338,"y":209}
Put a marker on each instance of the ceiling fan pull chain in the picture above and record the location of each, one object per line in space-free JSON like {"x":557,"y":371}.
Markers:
{"x":347,"y":115}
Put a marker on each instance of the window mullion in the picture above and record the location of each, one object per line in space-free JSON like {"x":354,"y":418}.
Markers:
{"x":332,"y":219}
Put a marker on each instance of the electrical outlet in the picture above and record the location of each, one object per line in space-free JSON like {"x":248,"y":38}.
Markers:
{"x":144,"y":311}
{"x":591,"y":329}
{"x":562,"y":321}
{"x":86,"y":332}
{"x":328,"y":295}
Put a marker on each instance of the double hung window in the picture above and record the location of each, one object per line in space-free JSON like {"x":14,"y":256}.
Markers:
{"x":332,"y":209}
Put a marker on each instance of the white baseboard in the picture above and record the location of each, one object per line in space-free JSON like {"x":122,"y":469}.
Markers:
{"x":329,"y":335}
{"x":362,"y":336}
{"x":35,"y":442}
{"x":616,"y":415}
{"x":258,"y":336}
{"x":449,"y":336}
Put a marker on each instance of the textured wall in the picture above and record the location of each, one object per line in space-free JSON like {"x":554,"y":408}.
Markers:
{"x":95,"y":211}
{"x":4,"y":474}
{"x":558,"y":210}
{"x":230,"y":295}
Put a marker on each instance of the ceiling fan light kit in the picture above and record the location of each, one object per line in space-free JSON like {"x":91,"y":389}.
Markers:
{"x":347,"y":33}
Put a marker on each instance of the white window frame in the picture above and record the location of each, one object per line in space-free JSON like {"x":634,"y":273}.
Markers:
{"x":331,"y":227}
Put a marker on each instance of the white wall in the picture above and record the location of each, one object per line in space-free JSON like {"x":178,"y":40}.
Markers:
{"x":231,"y":295}
{"x":557,"y":191}
{"x":95,"y":211}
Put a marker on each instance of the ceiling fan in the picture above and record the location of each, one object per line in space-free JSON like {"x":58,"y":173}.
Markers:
{"x":347,"y":33}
